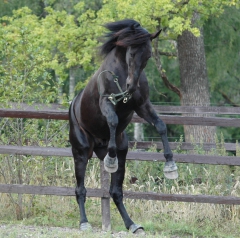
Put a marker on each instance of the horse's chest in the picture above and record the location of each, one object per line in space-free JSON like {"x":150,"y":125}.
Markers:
{"x":124,"y":116}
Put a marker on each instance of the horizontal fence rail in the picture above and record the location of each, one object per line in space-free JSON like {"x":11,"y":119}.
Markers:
{"x":132,"y":155}
{"x":144,"y":145}
{"x":197,"y":110}
{"x":168,"y":119}
{"x":159,"y":109}
{"x":100,"y":193}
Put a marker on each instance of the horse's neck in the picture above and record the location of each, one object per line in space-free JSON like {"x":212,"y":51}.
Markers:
{"x":117,"y":58}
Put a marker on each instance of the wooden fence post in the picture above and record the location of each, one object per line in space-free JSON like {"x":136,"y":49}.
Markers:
{"x":105,"y":200}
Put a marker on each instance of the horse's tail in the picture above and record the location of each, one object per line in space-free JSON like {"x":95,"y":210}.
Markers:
{"x":74,"y":133}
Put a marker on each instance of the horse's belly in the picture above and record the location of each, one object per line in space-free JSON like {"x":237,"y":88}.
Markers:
{"x":97,"y":125}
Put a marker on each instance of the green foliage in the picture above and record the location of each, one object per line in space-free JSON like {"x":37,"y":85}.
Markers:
{"x":7,"y":6}
{"x":24,"y":62}
{"x":176,"y":16}
{"x":70,"y":40}
{"x":33,"y":47}
{"x":222,"y":43}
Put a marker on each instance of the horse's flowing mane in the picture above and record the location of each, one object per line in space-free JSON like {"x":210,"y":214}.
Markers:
{"x":123,"y":33}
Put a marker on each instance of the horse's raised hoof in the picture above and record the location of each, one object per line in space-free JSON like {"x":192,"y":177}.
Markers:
{"x":137,"y":229}
{"x":85,"y":226}
{"x":110,"y":164}
{"x":170,"y":170}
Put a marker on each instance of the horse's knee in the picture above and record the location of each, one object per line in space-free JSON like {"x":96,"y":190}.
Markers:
{"x":112,"y":120}
{"x":81,"y":154}
{"x":81,"y":193}
{"x":162,"y":128}
{"x":117,"y":194}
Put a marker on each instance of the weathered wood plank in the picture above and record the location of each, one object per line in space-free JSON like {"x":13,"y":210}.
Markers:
{"x":159,"y":108}
{"x":183,"y":198}
{"x":52,"y":151}
{"x":66,"y":191}
{"x":204,"y":121}
{"x":105,"y":201}
{"x":168,"y":119}
{"x":34,"y":114}
{"x":198,"y":110}
{"x":35,"y":106}
{"x":186,"y":158}
{"x":132,"y":155}
{"x":47,"y":190}
{"x":35,"y":150}
{"x":176,"y":145}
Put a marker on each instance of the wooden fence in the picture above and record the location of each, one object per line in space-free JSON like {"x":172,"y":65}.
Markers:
{"x":54,"y":113}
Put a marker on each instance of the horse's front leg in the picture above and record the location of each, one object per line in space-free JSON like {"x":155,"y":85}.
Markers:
{"x":110,"y":161}
{"x":148,"y":113}
{"x":116,"y":190}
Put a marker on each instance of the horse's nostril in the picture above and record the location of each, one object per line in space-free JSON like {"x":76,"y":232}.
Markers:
{"x":128,"y":85}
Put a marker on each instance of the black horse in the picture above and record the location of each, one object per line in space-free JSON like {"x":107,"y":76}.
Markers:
{"x":100,"y":113}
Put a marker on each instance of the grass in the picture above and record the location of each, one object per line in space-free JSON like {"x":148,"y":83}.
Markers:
{"x":165,"y":219}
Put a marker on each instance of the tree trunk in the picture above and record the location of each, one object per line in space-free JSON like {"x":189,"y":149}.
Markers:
{"x":60,"y":93}
{"x":138,"y":132}
{"x":194,"y":83}
{"x":72,"y":73}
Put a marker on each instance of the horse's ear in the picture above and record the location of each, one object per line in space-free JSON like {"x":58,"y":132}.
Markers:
{"x":156,"y":34}
{"x":134,"y":26}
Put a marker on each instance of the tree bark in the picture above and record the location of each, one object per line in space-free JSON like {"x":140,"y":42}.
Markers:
{"x":60,"y":92}
{"x":72,"y":73}
{"x":138,"y":132}
{"x":194,"y":83}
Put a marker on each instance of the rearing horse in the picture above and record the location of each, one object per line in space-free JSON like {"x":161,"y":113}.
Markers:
{"x":100,"y":113}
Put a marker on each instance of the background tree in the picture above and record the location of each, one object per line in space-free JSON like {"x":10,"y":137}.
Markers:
{"x":194,"y":82}
{"x":24,"y":61}
{"x":8,"y":6}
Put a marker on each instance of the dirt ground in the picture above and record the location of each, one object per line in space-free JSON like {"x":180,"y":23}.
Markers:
{"x":21,"y":231}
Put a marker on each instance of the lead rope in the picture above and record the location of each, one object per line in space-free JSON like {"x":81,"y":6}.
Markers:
{"x":115,"y":97}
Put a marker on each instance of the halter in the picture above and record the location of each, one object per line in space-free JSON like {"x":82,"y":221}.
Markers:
{"x":115,"y":97}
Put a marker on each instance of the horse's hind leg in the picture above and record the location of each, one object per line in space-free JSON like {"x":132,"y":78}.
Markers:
{"x":82,"y":151}
{"x":117,"y":178}
{"x":80,"y":167}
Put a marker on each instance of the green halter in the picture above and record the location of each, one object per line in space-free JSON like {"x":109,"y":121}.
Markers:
{"x":115,"y":98}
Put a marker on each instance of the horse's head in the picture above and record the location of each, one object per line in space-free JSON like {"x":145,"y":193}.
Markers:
{"x":136,"y":40}
{"x":136,"y":59}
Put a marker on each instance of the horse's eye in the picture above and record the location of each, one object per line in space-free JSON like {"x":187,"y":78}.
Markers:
{"x":132,"y":55}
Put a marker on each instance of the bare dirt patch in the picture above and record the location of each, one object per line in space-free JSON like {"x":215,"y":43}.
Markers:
{"x":22,"y":231}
